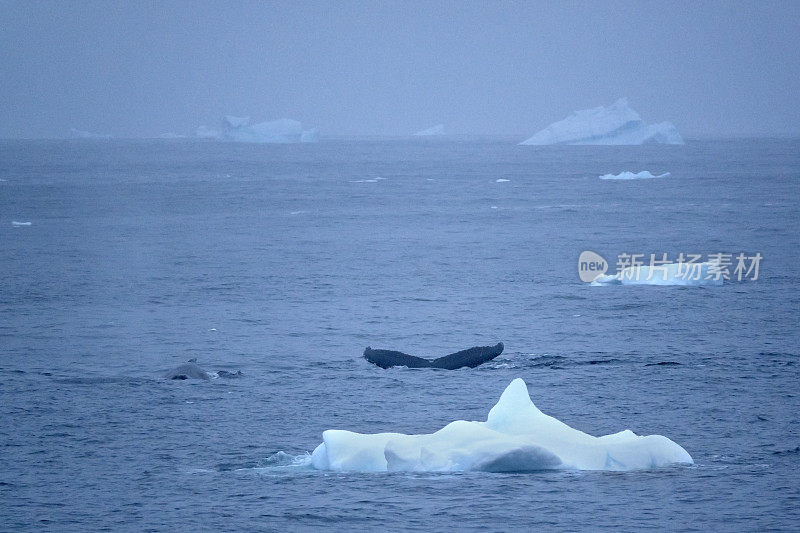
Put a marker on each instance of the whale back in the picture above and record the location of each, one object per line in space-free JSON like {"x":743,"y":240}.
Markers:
{"x":390,"y":358}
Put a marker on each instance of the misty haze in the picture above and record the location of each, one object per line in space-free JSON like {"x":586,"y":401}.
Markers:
{"x":399,"y":266}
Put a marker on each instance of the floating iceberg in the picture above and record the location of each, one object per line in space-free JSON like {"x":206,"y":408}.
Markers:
{"x":615,"y":124}
{"x":666,"y":274}
{"x":435,"y":130}
{"x":239,"y":129}
{"x":516,"y":437}
{"x":204,"y":132}
{"x":643,"y":175}
{"x":81,"y":134}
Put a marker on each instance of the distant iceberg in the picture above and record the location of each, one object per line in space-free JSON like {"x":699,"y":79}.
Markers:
{"x":516,"y":437}
{"x":616,"y":124}
{"x":204,"y":132}
{"x":171,"y":135}
{"x":643,"y":175}
{"x":82,"y":134}
{"x":435,"y":130}
{"x":239,"y":129}
{"x":666,"y":274}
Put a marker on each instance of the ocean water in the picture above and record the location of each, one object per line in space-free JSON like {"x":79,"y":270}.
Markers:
{"x":286,"y":261}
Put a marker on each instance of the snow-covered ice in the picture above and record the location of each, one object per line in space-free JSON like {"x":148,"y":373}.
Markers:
{"x":516,"y":437}
{"x":239,"y":129}
{"x":615,"y":124}
{"x":666,"y":274}
{"x":643,"y":175}
{"x":434,"y":130}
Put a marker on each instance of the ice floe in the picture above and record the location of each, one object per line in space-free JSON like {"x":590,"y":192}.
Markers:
{"x":667,"y":274}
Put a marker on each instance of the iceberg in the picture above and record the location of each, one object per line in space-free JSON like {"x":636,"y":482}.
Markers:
{"x":204,"y":132}
{"x":643,"y":175}
{"x":667,"y":274}
{"x":82,"y":134}
{"x":435,"y":130}
{"x":616,"y":124}
{"x":239,"y":129}
{"x":516,"y":437}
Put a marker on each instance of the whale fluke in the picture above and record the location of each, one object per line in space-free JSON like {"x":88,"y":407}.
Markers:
{"x":470,"y":357}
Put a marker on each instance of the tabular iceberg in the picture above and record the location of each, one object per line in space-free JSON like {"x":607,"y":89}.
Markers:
{"x":615,"y":124}
{"x":239,"y":129}
{"x":435,"y":130}
{"x":643,"y":175}
{"x":666,"y":274}
{"x":516,"y":437}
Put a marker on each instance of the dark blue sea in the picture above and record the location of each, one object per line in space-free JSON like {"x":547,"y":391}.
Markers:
{"x":285,"y":261}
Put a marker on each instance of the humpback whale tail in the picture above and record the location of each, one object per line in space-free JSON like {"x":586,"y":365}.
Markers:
{"x":470,"y":357}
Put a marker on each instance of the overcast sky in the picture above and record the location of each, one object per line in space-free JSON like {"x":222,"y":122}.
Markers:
{"x":391,"y":68}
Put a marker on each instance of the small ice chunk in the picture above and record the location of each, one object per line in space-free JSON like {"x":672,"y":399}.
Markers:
{"x":683,"y":274}
{"x":643,"y":175}
{"x":502,"y":180}
{"x":16,"y":223}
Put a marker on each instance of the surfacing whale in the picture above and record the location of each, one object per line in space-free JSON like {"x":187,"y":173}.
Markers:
{"x":191,"y":370}
{"x":471,"y":357}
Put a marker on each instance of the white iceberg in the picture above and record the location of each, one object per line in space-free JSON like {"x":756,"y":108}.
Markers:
{"x":239,"y":129}
{"x":643,"y":175}
{"x":516,"y":437}
{"x":615,"y":124}
{"x":82,"y":134}
{"x":666,"y":274}
{"x":435,"y":130}
{"x":204,"y":132}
